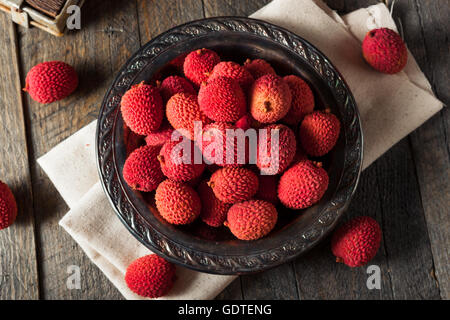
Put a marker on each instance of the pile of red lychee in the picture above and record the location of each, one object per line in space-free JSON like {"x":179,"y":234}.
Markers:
{"x":202,"y":104}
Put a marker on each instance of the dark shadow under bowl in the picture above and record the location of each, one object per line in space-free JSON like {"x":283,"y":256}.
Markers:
{"x":297,"y":231}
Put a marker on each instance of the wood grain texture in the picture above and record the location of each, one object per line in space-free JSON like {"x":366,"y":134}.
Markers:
{"x":215,"y":8}
{"x":156,"y":17}
{"x":426,"y":32}
{"x":18,"y":262}
{"x":96,"y":51}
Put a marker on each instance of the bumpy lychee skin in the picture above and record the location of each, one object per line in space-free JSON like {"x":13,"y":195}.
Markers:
{"x":319,"y":132}
{"x":8,"y":206}
{"x":222,"y":99}
{"x":270,"y":99}
{"x":234,"y":184}
{"x":177,"y":202}
{"x":142,"y":170}
{"x":302,"y":100}
{"x":302,"y":185}
{"x":230,"y":69}
{"x":258,"y":68}
{"x":150,"y":276}
{"x":158,"y":138}
{"x":199,"y":64}
{"x":276,"y":157}
{"x":385,"y":50}
{"x":175,"y":84}
{"x":245,"y":122}
{"x":142,"y":109}
{"x":251,"y":220}
{"x":215,"y":135}
{"x":214,"y":211}
{"x":356,"y":242}
{"x":182,"y":110}
{"x":268,"y":189}
{"x":177,"y":165}
{"x":51,"y":81}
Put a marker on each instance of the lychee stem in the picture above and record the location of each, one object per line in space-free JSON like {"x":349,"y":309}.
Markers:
{"x":247,"y":61}
{"x":158,"y":83}
{"x":161,"y":159}
{"x":318,"y":164}
{"x":339,"y":260}
{"x":327,"y":110}
{"x":267,"y":106}
{"x":210,"y":184}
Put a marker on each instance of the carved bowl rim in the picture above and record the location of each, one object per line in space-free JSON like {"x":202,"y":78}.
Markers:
{"x":130,"y":211}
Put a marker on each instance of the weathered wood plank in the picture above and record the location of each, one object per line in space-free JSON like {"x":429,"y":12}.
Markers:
{"x":156,"y":17}
{"x":278,"y":283}
{"x":426,"y":32}
{"x":96,"y":51}
{"x":405,"y":233}
{"x":232,"y":292}
{"x":215,"y":8}
{"x":18,"y":265}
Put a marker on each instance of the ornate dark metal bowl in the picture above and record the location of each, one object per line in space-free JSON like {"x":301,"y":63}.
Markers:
{"x":199,"y":247}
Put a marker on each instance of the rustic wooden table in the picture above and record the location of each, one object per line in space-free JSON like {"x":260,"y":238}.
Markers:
{"x":407,"y":190}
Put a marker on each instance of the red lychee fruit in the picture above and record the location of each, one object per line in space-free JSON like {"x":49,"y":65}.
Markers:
{"x":251,"y":220}
{"x":268,"y":189}
{"x":270,"y":98}
{"x":177,"y":202}
{"x":178,"y":165}
{"x":258,"y":68}
{"x":198,"y":65}
{"x":175,"y":84}
{"x":302,"y":100}
{"x":50,"y":81}
{"x":142,"y":109}
{"x":222,"y":148}
{"x":234,"y":184}
{"x":178,"y":62}
{"x":142,"y":170}
{"x":214,"y":211}
{"x":182,"y":110}
{"x":222,"y":99}
{"x":150,"y":276}
{"x":385,"y":50}
{"x":302,"y":185}
{"x":158,"y":138}
{"x":245,"y":122}
{"x":8,"y":206}
{"x":273,"y":158}
{"x":230,"y":69}
{"x":319,"y":132}
{"x":356,"y":242}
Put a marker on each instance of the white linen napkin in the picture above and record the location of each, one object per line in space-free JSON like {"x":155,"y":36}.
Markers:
{"x":391,"y":106}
